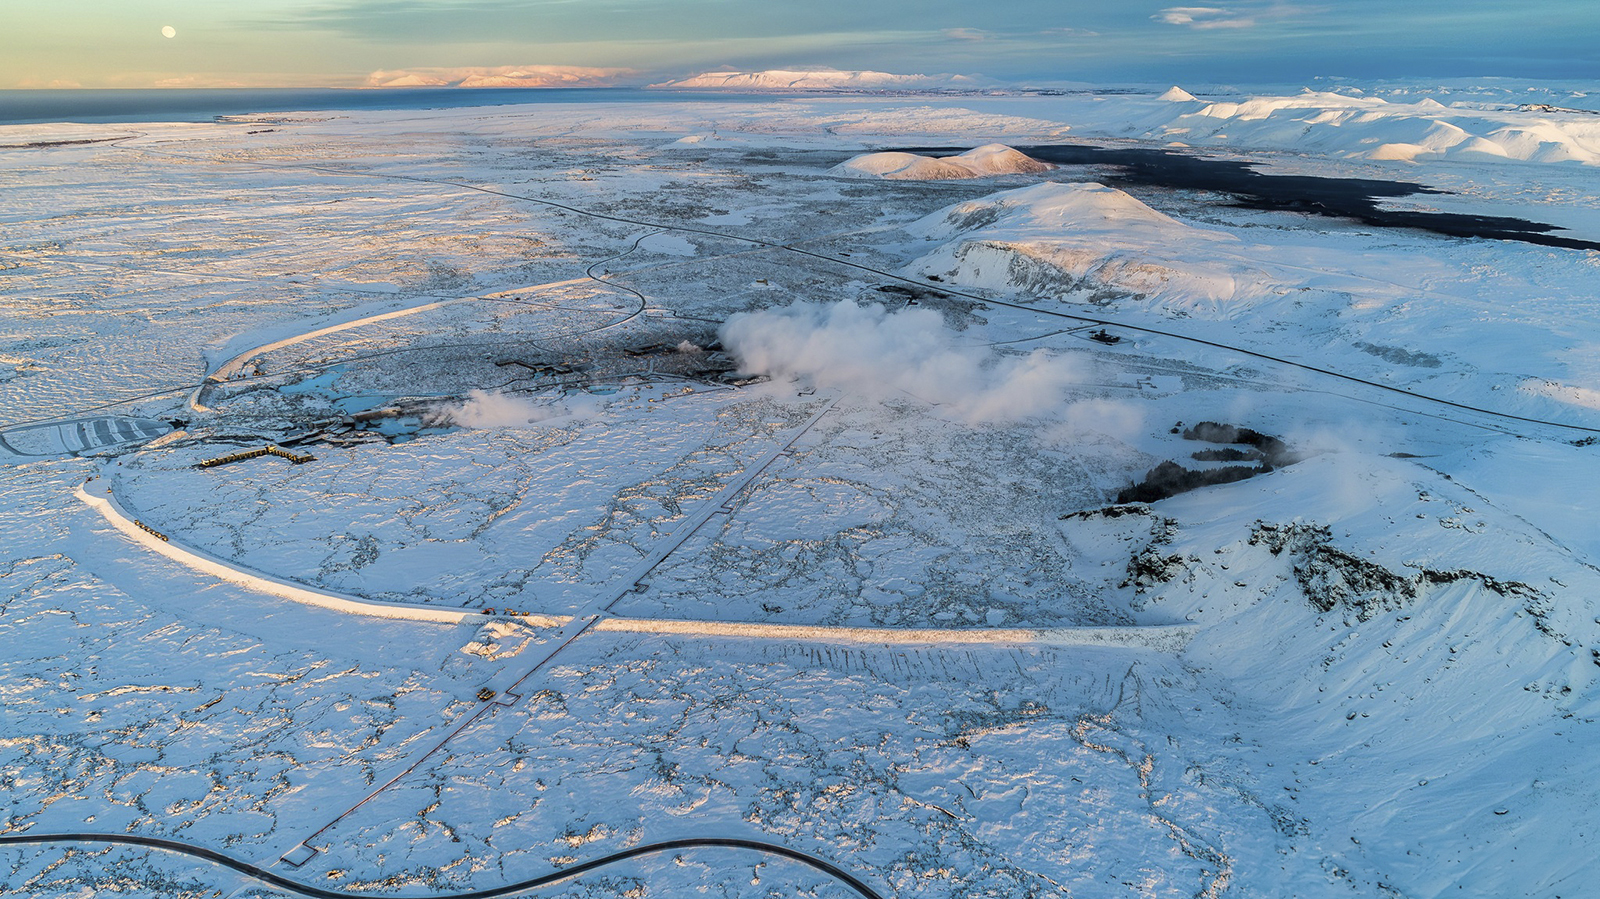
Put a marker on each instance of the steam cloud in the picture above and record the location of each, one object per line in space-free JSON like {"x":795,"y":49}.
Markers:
{"x":497,"y":410}
{"x":868,"y":350}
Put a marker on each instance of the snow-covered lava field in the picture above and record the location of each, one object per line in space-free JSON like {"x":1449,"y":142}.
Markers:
{"x":685,"y":498}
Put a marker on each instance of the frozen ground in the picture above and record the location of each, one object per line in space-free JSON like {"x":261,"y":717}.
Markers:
{"x":565,"y":579}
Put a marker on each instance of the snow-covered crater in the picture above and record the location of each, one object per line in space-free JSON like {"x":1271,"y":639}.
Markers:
{"x":981,"y":162}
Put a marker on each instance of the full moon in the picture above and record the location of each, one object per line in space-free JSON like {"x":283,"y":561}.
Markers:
{"x":168,"y":31}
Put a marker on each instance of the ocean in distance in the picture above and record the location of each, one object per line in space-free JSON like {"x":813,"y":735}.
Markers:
{"x":19,"y":107}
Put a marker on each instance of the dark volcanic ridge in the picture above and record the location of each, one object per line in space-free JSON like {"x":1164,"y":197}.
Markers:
{"x":1347,"y":198}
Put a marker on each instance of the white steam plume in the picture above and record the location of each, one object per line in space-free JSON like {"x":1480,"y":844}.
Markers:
{"x":1081,"y":421}
{"x":498,"y":410}
{"x":868,"y":350}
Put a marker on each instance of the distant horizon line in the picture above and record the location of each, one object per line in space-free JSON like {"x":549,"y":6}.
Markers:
{"x":1020,"y":87}
{"x":944,"y":83}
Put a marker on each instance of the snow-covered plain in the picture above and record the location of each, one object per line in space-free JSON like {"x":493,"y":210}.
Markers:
{"x":881,"y":608}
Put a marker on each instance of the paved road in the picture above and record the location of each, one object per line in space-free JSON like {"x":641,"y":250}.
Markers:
{"x":305,"y":889}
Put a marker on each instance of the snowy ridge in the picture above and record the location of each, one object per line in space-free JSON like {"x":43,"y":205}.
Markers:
{"x":534,"y":76}
{"x":981,"y":162}
{"x":1355,"y":127}
{"x":1055,"y":236}
{"x":1430,"y":655}
{"x":817,"y":80}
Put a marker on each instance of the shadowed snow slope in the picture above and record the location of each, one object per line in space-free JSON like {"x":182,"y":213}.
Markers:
{"x":1479,"y":623}
{"x":984,"y":161}
{"x":1057,"y":237}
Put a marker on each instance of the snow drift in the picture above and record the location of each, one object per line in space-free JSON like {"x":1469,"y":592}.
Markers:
{"x":984,"y":161}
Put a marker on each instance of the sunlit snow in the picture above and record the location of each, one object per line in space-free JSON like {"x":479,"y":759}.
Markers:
{"x":690,"y":470}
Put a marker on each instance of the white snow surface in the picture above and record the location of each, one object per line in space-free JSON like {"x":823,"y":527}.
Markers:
{"x":1355,"y":126}
{"x":1088,"y":243}
{"x":793,"y":497}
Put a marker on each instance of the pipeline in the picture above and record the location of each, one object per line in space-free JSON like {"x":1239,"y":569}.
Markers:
{"x":150,"y":530}
{"x":251,"y":454}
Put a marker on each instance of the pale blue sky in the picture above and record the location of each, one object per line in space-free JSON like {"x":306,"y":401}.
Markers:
{"x":119,"y":43}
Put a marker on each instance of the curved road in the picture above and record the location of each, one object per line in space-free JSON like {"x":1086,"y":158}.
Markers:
{"x":305,"y":889}
{"x":219,"y":375}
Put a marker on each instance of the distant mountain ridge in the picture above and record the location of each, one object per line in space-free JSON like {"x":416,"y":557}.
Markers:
{"x":502,"y":76}
{"x":821,"y":80}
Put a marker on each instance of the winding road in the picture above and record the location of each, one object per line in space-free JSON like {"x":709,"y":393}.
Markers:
{"x":273,"y":879}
